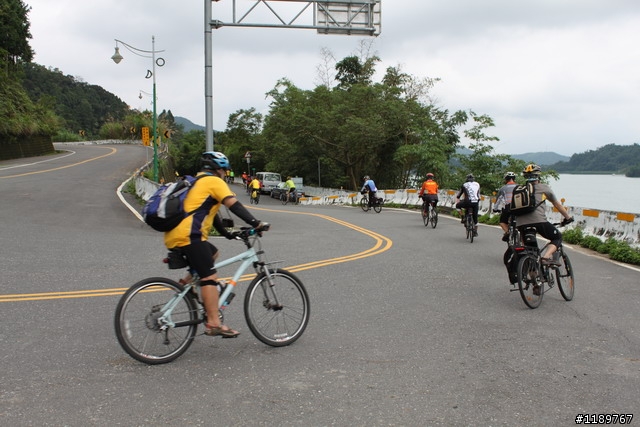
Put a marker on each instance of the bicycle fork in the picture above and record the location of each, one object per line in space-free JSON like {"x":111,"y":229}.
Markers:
{"x":270,"y":297}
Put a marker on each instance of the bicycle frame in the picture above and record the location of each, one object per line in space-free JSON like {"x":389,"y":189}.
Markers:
{"x":247,"y":259}
{"x":157,"y":327}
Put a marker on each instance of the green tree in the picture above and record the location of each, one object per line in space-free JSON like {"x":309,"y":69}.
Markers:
{"x":14,"y":34}
{"x":242,"y":134}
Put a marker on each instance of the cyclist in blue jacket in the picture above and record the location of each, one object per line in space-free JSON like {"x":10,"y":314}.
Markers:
{"x":369,"y":187}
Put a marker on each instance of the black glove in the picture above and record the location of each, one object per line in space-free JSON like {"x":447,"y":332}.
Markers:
{"x":566,"y":221}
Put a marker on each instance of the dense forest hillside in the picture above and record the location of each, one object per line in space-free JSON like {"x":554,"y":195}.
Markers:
{"x":622,"y":159}
{"x":82,"y":106}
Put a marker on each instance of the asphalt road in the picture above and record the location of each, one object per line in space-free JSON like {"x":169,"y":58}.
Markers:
{"x":410,"y":326}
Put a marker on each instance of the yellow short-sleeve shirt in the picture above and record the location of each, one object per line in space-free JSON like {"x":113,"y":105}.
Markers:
{"x":205,"y":199}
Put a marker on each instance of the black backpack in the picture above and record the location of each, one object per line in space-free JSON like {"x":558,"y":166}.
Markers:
{"x":511,"y":259}
{"x":523,"y":200}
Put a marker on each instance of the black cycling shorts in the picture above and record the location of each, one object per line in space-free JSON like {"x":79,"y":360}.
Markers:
{"x":200,"y":256}
{"x":504,"y":215}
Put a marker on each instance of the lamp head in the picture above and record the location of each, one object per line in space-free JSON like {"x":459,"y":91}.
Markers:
{"x":116,"y":56}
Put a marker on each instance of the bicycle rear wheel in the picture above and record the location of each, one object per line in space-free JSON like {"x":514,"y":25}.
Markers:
{"x":564,"y":275}
{"x":530,"y":281}
{"x":377,"y":206}
{"x":277,"y":315}
{"x":137,"y":324}
{"x":433,"y":217}
{"x":364,"y":203}
{"x":469,"y":225}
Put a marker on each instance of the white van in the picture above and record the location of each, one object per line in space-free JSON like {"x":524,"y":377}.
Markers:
{"x":269,"y":181}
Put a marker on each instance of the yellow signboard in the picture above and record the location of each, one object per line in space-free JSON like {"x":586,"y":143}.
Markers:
{"x":145,"y":136}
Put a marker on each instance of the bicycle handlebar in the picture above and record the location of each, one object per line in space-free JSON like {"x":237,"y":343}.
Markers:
{"x":564,"y":222}
{"x":246,"y":232}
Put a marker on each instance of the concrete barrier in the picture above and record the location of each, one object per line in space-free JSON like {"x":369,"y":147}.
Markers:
{"x":621,"y":226}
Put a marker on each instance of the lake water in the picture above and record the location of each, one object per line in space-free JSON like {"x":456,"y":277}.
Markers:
{"x":603,"y":192}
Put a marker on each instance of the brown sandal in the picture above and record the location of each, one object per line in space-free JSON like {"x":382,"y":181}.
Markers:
{"x":223,"y":331}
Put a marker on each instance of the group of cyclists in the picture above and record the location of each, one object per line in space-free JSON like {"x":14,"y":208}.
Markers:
{"x":468,"y":198}
{"x":208,"y":194}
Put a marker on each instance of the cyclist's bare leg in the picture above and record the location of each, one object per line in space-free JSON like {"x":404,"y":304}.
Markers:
{"x":210,"y":299}
{"x":551,"y":249}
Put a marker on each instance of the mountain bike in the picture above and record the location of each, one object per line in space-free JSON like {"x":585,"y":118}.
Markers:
{"x":533,"y":274}
{"x":469,"y":225}
{"x":377,"y":203}
{"x":157,"y":318}
{"x":287,"y":197}
{"x":429,"y":215}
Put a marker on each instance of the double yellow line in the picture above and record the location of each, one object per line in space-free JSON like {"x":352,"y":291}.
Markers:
{"x":112,"y":151}
{"x":382,"y":244}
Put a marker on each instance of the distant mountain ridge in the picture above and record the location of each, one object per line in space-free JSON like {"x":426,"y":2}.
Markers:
{"x":545,"y":158}
{"x":187,"y":124}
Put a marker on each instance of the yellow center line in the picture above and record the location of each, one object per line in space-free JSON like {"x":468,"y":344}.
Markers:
{"x":382,"y":244}
{"x":113,"y":151}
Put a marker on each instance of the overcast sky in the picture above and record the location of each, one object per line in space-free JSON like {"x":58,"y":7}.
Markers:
{"x":555,"y":75}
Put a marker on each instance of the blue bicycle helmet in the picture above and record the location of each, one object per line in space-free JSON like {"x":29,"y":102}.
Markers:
{"x":214,"y":160}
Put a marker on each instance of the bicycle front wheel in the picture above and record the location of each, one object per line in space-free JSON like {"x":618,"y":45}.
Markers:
{"x":284,"y":198}
{"x":139,"y":326}
{"x":564,"y":275}
{"x":425,"y":215}
{"x":278,"y":312}
{"x":530,"y":281}
{"x":364,"y":204}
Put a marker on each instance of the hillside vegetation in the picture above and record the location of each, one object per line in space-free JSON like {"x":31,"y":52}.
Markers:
{"x":619,"y":159}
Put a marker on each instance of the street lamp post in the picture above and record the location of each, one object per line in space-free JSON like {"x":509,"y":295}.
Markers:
{"x":117,"y":57}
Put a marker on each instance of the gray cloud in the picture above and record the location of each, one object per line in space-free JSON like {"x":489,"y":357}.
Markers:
{"x":554,"y":75}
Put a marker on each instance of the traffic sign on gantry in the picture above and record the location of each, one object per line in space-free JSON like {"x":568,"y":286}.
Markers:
{"x":347,"y":17}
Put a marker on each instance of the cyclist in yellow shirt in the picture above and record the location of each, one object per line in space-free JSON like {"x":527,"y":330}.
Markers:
{"x":255,"y":186}
{"x":291,"y":186}
{"x":191,"y":236}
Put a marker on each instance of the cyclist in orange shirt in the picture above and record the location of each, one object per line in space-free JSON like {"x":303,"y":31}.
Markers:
{"x":429,"y":191}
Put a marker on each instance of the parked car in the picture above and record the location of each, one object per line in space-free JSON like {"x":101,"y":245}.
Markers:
{"x":269,"y":181}
{"x":282,"y":188}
